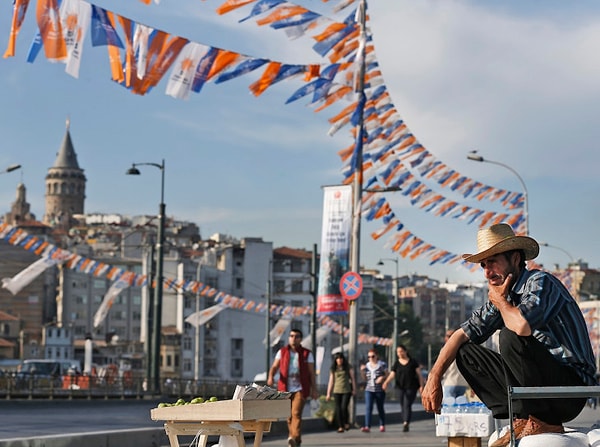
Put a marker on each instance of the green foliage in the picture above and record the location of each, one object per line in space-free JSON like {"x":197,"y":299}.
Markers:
{"x":383,"y":325}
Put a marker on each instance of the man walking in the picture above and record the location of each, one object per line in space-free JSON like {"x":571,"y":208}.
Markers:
{"x":296,"y":366}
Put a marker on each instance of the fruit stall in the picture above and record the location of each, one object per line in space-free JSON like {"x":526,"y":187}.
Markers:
{"x":231,"y":418}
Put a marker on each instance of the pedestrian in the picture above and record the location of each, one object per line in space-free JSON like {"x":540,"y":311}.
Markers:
{"x":296,"y":366}
{"x":453,"y":382}
{"x":408,"y":376}
{"x":375,"y":373}
{"x":342,"y":385}
{"x":543,"y":339}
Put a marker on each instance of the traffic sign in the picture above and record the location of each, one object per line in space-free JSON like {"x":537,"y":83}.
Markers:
{"x":351,"y":285}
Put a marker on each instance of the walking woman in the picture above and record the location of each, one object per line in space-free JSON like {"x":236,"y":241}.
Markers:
{"x":409,"y":380}
{"x":342,"y":385}
{"x":374,"y":372}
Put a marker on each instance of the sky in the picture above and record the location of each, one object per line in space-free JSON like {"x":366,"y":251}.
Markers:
{"x":518,"y":81}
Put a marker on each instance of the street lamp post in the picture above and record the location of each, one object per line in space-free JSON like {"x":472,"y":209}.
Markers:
{"x":314,"y":293}
{"x":158,"y":286}
{"x":474,"y":157}
{"x":197,"y":333}
{"x":395,"y":285}
{"x":268,"y":319}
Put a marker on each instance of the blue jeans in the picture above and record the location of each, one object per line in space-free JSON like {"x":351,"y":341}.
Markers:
{"x":379,"y":398}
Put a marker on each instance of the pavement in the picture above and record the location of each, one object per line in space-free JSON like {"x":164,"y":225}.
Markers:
{"x":422,"y":432}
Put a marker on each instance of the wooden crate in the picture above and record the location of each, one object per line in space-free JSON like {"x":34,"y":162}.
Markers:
{"x":225,"y":410}
{"x":463,"y":441}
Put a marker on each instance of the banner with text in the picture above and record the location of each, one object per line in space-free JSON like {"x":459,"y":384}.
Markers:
{"x":335,"y":248}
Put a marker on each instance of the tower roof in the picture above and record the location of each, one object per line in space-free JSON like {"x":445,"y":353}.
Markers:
{"x":66,"y":157}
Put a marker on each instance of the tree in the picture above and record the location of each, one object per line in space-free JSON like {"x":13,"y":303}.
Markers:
{"x":410,"y":330}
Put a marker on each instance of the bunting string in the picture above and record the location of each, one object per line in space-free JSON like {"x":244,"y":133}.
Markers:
{"x":141,"y":56}
{"x":126,"y":278}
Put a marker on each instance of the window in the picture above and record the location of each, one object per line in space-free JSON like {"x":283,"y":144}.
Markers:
{"x":237,"y":347}
{"x":238,"y":283}
{"x":210,"y":367}
{"x":237,"y":360}
{"x":237,"y":367}
{"x":187,"y":343}
{"x":297,"y":285}
{"x":279,"y":286}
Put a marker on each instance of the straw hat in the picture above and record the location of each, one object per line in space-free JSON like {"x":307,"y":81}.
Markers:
{"x":499,"y":239}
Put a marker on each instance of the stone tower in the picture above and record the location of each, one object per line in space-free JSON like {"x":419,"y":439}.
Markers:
{"x":20,"y":209}
{"x":65,"y":186}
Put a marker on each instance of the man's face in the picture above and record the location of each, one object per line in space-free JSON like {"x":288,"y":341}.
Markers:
{"x":295,"y":339}
{"x":496,"y":268}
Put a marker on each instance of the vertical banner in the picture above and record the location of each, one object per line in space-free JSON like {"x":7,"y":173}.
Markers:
{"x":335,"y":249}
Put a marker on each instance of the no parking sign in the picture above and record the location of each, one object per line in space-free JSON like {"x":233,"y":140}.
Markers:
{"x":351,"y":285}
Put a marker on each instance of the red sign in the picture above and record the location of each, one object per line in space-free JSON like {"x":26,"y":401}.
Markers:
{"x":351,"y":285}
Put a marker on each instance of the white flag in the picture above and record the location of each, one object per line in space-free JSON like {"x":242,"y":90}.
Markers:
{"x":76,"y":17}
{"x":319,"y":336}
{"x":24,"y":277}
{"x":278,"y":330}
{"x":77,"y":24}
{"x":199,"y":318}
{"x":141,"y":36}
{"x":184,"y":70}
{"x":116,"y":287}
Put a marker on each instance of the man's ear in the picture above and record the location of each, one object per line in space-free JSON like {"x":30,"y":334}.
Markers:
{"x":515,"y":257}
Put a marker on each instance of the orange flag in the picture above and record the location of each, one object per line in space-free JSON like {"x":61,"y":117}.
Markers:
{"x":230,"y":5}
{"x":266,"y":79}
{"x":19,"y":11}
{"x":48,"y":19}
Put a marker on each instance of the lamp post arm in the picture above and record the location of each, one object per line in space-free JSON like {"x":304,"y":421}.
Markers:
{"x":479,"y":158}
{"x":11,"y":168}
{"x":526,"y":196}
{"x":545,"y":244}
{"x":510,"y":169}
{"x":156,"y":165}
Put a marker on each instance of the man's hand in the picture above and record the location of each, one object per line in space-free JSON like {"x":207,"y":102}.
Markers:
{"x":431,"y":395}
{"x":497,"y":294}
{"x":513,"y":319}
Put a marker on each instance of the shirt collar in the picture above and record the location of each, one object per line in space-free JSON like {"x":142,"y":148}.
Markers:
{"x":519,"y":288}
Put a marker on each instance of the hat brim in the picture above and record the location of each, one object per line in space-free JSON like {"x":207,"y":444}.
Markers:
{"x":525,"y":243}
